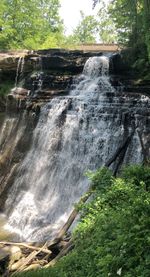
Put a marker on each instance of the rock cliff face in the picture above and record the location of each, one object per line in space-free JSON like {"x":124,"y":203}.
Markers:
{"x":40,"y":75}
{"x":37,"y":77}
{"x":47,"y":129}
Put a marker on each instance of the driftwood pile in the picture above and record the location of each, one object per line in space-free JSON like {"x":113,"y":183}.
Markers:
{"x":20,"y":257}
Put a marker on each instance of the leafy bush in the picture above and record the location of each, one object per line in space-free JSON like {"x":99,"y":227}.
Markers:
{"x":138,"y":175}
{"x":112,"y":238}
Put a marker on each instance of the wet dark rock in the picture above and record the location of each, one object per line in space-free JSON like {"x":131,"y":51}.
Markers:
{"x":47,"y":73}
{"x":61,"y":63}
{"x":2,"y":103}
{"x":44,"y":74}
{"x":4,"y":261}
{"x":51,"y":59}
{"x":118,"y":65}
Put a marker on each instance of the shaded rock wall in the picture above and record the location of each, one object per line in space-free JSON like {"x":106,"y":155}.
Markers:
{"x":15,"y":138}
{"x":41,"y":74}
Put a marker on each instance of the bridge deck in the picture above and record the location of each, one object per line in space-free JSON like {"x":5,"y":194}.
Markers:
{"x":98,"y":47}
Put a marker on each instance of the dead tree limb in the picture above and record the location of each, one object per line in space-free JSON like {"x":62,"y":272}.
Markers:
{"x":119,"y":150}
{"x":25,"y":262}
{"x":28,"y":259}
{"x":144,"y":152}
{"x":28,"y":246}
{"x":69,"y":221}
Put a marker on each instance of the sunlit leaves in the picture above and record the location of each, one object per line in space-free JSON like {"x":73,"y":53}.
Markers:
{"x":85,"y":32}
{"x":28,"y":24}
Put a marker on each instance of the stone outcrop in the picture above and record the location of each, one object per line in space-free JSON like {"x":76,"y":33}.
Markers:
{"x":40,"y":75}
{"x":53,"y":59}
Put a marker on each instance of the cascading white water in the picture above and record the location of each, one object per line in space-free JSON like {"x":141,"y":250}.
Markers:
{"x":74,"y":133}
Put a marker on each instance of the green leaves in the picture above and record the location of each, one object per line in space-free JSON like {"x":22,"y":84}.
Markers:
{"x":28,"y":24}
{"x":132,"y":21}
{"x":101,"y":179}
{"x":138,"y":175}
{"x":85,"y":32}
{"x":112,"y":238}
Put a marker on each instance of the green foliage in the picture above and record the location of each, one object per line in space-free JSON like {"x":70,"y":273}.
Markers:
{"x":138,"y":175}
{"x":100,"y":179}
{"x":132,"y":20}
{"x":28,"y":24}
{"x":91,"y":28}
{"x":85,"y":32}
{"x":106,"y":27}
{"x":113,"y":236}
{"x":5,"y":88}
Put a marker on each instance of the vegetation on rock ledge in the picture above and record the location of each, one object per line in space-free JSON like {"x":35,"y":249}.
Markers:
{"x":5,"y":87}
{"x":112,"y":238}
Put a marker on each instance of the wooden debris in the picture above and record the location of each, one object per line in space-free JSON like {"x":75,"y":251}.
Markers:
{"x":26,"y":245}
{"x":16,"y":265}
{"x":70,"y":220}
{"x":29,"y":259}
{"x":32,"y":267}
{"x":62,"y":253}
{"x":25,"y":262}
{"x":34,"y":257}
{"x":119,"y":150}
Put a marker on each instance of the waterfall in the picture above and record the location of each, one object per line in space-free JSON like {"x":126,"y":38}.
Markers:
{"x":74,"y":133}
{"x":37,"y":82}
{"x":19,"y":71}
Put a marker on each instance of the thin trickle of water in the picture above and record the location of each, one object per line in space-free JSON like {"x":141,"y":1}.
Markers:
{"x":19,"y":71}
{"x":39,"y":75}
{"x":37,"y":83}
{"x":74,"y":133}
{"x":40,"y":81}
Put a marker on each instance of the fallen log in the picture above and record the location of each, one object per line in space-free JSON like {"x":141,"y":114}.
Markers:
{"x":144,"y":150}
{"x":25,"y":262}
{"x":28,"y":259}
{"x":16,"y":265}
{"x":32,"y":267}
{"x":120,"y":149}
{"x":25,"y":245}
{"x":70,"y":220}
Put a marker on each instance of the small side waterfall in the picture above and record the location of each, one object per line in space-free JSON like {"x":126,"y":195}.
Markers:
{"x":74,"y":133}
{"x":19,"y":71}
